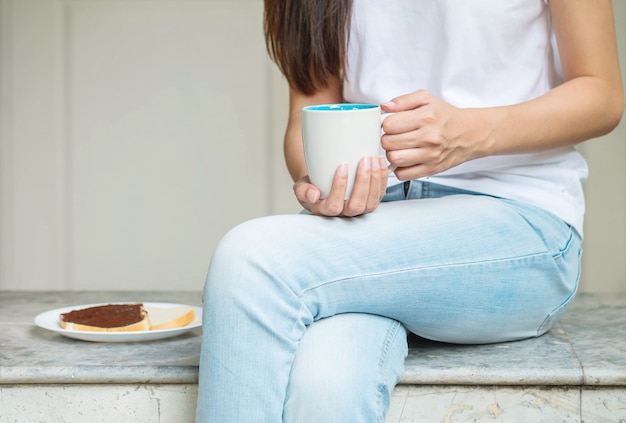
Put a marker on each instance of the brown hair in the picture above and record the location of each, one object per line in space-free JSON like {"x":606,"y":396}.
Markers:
{"x":307,"y":39}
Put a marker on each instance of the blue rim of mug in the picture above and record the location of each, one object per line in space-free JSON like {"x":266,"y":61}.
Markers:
{"x":342,"y":106}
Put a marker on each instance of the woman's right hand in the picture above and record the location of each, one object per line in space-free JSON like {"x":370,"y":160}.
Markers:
{"x":369,"y":188}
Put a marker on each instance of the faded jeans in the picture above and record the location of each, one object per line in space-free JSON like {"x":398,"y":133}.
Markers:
{"x":305,"y":317}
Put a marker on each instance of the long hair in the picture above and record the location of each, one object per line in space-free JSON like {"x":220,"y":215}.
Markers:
{"x":307,"y":39}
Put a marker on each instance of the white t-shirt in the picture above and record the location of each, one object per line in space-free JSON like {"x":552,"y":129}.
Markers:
{"x":477,"y":53}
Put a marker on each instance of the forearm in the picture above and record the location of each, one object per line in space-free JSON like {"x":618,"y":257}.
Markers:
{"x":427,"y":136}
{"x":293,"y":150}
{"x":580,"y":109}
{"x":292,"y":147}
{"x":588,"y":104}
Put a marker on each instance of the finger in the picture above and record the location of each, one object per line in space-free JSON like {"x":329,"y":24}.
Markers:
{"x":385,"y":171}
{"x":402,"y":140}
{"x":419,"y":171}
{"x":404,"y":158}
{"x":424,"y":121}
{"x":407,"y":101}
{"x":313,"y":195}
{"x":334,"y":203}
{"x":306,"y":193}
{"x":357,"y":203}
{"x":374,"y":192}
{"x":413,"y":172}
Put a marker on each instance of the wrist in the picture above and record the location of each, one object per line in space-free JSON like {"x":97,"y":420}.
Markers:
{"x":484,"y":133}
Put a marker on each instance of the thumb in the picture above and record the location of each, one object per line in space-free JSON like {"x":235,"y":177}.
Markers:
{"x":407,"y":102}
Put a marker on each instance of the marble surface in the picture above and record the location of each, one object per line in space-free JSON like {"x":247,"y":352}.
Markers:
{"x":29,"y":354}
{"x":596,"y":330}
{"x":98,"y":403}
{"x":585,"y":348}
{"x":428,"y":404}
{"x":153,"y":403}
{"x":548,"y":360}
{"x":575,"y":373}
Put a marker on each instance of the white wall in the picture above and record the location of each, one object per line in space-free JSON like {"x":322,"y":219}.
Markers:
{"x":133,"y":134}
{"x":604,"y":257}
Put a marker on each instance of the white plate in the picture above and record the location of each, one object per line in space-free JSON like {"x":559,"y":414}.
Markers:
{"x":50,"y":320}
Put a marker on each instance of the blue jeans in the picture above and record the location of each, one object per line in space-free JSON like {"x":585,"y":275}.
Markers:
{"x":305,"y":317}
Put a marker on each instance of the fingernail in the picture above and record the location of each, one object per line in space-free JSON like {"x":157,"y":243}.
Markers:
{"x":383,"y":162}
{"x":375,"y":163}
{"x":343,"y":170}
{"x":311,"y":196}
{"x":388,"y":104}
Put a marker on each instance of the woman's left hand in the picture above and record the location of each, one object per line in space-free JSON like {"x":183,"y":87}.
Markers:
{"x":367,"y":192}
{"x":426,"y":135}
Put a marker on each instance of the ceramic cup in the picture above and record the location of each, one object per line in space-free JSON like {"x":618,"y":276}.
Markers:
{"x":333,"y":134}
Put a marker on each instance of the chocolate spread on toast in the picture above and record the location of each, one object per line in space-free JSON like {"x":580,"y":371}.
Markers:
{"x":107,"y":316}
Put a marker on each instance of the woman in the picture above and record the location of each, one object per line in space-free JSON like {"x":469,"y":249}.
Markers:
{"x":474,"y":238}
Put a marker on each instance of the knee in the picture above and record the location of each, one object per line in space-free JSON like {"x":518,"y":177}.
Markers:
{"x":345,"y":369}
{"x":255,"y":260}
{"x":242,"y":242}
{"x":236,"y":256}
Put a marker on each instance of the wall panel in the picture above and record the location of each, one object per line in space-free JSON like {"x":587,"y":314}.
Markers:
{"x":135,"y":133}
{"x":138,"y":135}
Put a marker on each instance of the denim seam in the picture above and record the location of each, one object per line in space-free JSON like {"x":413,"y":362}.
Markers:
{"x":412,"y":269}
{"x":509,"y":204}
{"x":392,"y":333}
{"x":566,"y":301}
{"x":565,"y":249}
{"x":426,"y":190}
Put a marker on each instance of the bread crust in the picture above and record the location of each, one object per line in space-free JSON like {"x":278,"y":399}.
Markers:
{"x":139,"y":326}
{"x":187,"y":316}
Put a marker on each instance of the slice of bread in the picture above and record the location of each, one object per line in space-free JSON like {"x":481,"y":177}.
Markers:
{"x":107,"y":318}
{"x":127,"y":318}
{"x":169,"y":317}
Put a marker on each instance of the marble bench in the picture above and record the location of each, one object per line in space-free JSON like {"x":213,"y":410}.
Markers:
{"x":575,"y":373}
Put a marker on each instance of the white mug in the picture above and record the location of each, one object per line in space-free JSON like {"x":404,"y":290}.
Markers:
{"x":333,"y":134}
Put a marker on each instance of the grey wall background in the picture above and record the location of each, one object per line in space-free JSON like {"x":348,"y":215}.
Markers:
{"x":134,"y":134}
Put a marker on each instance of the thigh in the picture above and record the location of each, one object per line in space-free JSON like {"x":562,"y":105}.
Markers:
{"x":461,"y":268}
{"x":345,"y":369}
